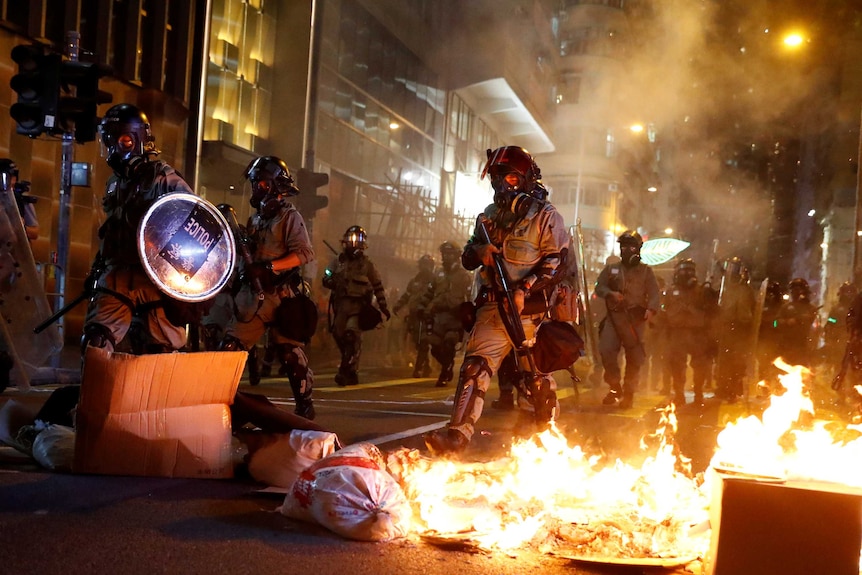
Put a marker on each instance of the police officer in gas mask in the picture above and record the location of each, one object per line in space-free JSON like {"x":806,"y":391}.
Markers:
{"x":128,"y":311}
{"x":272,"y":294}
{"x":631,"y":292}
{"x":529,"y":236}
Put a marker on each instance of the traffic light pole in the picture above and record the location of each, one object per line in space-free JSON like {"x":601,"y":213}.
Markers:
{"x":68,"y":156}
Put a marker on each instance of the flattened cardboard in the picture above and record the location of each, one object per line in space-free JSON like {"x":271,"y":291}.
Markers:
{"x":784,"y":528}
{"x":163,"y":415}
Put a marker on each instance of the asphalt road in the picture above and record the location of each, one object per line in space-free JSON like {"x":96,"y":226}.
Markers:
{"x":62,"y":523}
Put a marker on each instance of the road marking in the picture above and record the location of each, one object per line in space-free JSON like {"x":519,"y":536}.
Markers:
{"x":409,"y":433}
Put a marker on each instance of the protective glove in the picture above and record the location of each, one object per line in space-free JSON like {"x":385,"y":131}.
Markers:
{"x":258,"y":272}
{"x":615,"y":300}
{"x":485,"y":253}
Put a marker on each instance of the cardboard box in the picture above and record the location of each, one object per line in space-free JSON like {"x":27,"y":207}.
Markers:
{"x":163,"y":415}
{"x":784,"y":528}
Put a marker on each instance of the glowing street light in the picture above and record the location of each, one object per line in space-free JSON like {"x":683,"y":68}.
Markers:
{"x":793,"y":40}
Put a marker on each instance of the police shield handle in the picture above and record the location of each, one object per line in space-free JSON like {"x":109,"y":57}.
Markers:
{"x":242,"y":243}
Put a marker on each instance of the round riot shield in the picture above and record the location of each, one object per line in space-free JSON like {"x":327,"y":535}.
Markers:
{"x":186,"y":247}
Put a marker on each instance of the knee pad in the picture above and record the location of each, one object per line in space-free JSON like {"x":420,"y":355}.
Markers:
{"x":473,"y":367}
{"x":96,"y":335}
{"x":351,"y":337}
{"x":287,"y":356}
{"x":230,"y":343}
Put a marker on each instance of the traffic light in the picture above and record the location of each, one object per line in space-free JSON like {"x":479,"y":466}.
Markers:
{"x":308,"y":200}
{"x":38,"y":86}
{"x":80,"y":97}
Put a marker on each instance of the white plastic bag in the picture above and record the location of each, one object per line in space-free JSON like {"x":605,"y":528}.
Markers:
{"x":280,"y":458}
{"x":351,"y":493}
{"x":54,"y":447}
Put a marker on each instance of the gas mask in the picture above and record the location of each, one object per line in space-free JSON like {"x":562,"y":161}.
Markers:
{"x":264,"y":198}
{"x":509,"y":193}
{"x":630,"y":254}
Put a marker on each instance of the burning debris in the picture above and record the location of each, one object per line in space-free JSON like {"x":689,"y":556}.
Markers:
{"x":553,"y":498}
{"x":550,"y":497}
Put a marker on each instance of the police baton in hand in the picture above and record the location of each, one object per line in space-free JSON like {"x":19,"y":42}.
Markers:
{"x":242,"y":244}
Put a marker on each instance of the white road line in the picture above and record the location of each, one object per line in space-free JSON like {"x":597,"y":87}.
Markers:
{"x":409,"y":433}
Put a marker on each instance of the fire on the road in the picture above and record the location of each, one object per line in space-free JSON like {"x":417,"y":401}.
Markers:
{"x":555,"y":498}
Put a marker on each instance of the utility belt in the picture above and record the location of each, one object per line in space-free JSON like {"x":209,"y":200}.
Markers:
{"x":536,"y":303}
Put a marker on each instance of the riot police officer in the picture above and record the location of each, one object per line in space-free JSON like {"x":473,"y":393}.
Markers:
{"x":450,"y":288}
{"x":354,"y":280}
{"x":735,"y":329}
{"x":631,"y":293}
{"x":834,"y":332}
{"x":768,"y":344}
{"x":128,"y":311}
{"x":528,"y":236}
{"x":413,"y":298}
{"x":687,"y":310}
{"x":795,"y":323}
{"x":272,"y":294}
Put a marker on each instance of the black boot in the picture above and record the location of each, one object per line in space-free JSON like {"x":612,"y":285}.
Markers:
{"x":253,"y":369}
{"x":5,"y":370}
{"x":446,"y":440}
{"x":305,"y":408}
{"x":506,"y":401}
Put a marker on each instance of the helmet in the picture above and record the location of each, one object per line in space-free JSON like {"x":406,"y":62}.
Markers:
{"x":269,"y":178}
{"x":734,"y":270}
{"x":450,"y":253}
{"x":798,"y":288}
{"x":630,"y":247}
{"x":449,"y":247}
{"x":846,"y":293}
{"x":504,"y":162}
{"x":355,"y":240}
{"x":8,"y":170}
{"x":274,"y":171}
{"x":685,"y":273}
{"x":426,"y":263}
{"x":125,"y":132}
{"x":774,"y":292}
{"x":631,"y":237}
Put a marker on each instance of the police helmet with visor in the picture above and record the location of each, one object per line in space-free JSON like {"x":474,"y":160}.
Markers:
{"x":355,"y":240}
{"x":125,"y":133}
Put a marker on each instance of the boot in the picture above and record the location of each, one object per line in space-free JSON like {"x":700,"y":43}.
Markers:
{"x":444,"y":378}
{"x":253,"y":369}
{"x":445,"y":441}
{"x":5,"y":370}
{"x":611,"y":398}
{"x":506,"y":401}
{"x":305,"y":408}
{"x":627,"y":401}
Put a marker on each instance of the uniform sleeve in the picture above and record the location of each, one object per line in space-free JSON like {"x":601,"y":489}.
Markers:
{"x":377,"y":285}
{"x":603,"y":288}
{"x":653,"y":294}
{"x":553,"y":241}
{"x":296,"y":237}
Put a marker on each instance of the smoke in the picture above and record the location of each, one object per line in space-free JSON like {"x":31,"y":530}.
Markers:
{"x":724,"y":94}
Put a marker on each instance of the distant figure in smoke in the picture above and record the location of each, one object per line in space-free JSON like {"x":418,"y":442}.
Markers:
{"x":354,"y":281}
{"x":795,"y":324}
{"x":412,"y":299}
{"x":735,"y":330}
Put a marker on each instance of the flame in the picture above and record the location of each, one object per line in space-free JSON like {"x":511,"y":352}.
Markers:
{"x":555,"y":498}
{"x":787,"y":442}
{"x":550,"y":496}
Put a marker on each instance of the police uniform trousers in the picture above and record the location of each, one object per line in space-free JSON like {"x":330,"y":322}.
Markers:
{"x":682,"y":343}
{"x":253,"y":317}
{"x":490,"y":341}
{"x":122,"y":287}
{"x":347,"y":334}
{"x":446,"y":332}
{"x":610,"y":344}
